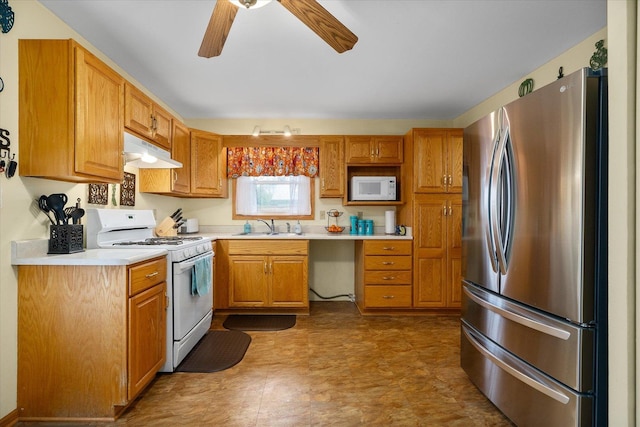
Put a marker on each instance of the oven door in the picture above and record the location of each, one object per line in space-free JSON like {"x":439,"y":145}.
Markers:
{"x":188,"y":309}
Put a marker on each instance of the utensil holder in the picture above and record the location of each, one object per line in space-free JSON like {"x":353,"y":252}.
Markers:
{"x":65,"y":239}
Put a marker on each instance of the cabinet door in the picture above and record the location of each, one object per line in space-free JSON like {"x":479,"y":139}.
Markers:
{"x":181,"y":152}
{"x":388,"y":149}
{"x":430,"y":153}
{"x":358,"y":149}
{"x":162,"y":123}
{"x":454,"y":251}
{"x":438,"y":251}
{"x":147,"y":335}
{"x":138,"y":111}
{"x":332,"y":167}
{"x":288,"y":277}
{"x":208,"y":165}
{"x":99,"y":111}
{"x":454,"y":160}
{"x":247,"y":281}
{"x":430,"y":251}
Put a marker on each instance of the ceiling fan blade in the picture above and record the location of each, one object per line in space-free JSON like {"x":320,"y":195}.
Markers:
{"x":321,"y":22}
{"x":218,"y":29}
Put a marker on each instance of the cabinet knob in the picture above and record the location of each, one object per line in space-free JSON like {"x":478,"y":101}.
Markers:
{"x":388,"y":297}
{"x":388,"y":262}
{"x":389,"y":278}
{"x":388,"y":248}
{"x":151,"y":275}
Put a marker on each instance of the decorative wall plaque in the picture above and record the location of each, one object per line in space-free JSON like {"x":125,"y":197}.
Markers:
{"x":128,"y":190}
{"x":98,"y":194}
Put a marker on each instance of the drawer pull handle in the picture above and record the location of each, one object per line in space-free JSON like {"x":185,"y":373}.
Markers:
{"x":388,"y":262}
{"x":388,"y":297}
{"x":389,"y":248}
{"x":150,"y":275}
{"x":389,"y":278}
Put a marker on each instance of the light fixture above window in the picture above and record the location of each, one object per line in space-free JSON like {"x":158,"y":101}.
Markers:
{"x":286,"y":131}
{"x":253,"y":4}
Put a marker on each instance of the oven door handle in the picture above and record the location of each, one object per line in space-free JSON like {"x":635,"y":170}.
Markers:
{"x":188,"y":264}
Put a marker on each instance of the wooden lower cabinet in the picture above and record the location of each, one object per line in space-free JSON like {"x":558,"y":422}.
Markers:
{"x":383,"y":274}
{"x":90,"y":338}
{"x":437,"y":251}
{"x":263,"y":274}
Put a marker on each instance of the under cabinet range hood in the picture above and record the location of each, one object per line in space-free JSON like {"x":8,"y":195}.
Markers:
{"x":144,"y":155}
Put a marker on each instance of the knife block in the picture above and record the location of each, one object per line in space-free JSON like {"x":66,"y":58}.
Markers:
{"x":165,"y":228}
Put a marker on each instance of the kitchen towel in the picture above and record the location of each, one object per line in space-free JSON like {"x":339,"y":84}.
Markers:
{"x":390,"y":222}
{"x":201,"y":277}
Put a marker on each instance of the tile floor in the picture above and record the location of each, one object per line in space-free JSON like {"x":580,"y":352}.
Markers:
{"x":334,"y":368}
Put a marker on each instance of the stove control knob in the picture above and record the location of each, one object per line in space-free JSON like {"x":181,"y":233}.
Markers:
{"x":200,"y":249}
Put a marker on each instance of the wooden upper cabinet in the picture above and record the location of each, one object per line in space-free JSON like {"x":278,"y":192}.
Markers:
{"x":374,"y":149}
{"x":437,"y":160}
{"x":181,"y":152}
{"x":71,"y":113}
{"x":332,"y":178}
{"x":147,"y":119}
{"x":208,"y":165}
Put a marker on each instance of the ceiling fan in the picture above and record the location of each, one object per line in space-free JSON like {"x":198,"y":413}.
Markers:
{"x":310,"y":12}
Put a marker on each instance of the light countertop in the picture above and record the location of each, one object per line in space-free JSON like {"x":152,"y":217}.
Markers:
{"x":308,"y":233}
{"x":34,"y":252}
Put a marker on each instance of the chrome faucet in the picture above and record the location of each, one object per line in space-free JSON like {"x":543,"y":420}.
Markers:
{"x":272,"y":227}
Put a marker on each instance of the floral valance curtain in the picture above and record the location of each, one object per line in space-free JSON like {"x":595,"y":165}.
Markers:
{"x":272,"y":161}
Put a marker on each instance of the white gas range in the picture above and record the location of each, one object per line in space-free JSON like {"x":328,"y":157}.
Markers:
{"x":188,"y":316}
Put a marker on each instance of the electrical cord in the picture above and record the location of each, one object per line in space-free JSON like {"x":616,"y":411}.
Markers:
{"x":350,"y":296}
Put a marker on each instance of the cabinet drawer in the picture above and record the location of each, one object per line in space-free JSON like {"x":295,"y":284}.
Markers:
{"x":387,"y":263}
{"x":144,"y":275}
{"x":268,"y":247}
{"x":387,"y":247}
{"x":387,"y":296}
{"x":387,"y":277}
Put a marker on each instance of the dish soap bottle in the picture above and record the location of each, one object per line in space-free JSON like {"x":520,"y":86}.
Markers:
{"x":247,"y":227}
{"x":297,"y":228}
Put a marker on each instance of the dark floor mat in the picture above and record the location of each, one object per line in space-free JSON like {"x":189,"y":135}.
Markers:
{"x":217,"y":351}
{"x":260,"y":322}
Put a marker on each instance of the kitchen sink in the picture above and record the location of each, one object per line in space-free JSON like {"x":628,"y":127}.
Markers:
{"x":267,"y":234}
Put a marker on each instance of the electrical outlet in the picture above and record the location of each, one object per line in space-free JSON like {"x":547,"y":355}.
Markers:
{"x":352,"y":297}
{"x":322,"y":214}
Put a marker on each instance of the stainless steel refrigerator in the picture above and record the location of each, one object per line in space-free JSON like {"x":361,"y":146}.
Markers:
{"x":534,"y":311}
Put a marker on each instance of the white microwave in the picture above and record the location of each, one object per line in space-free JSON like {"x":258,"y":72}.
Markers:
{"x":373,"y":188}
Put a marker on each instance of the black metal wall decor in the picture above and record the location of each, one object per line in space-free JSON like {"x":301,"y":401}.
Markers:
{"x":9,"y":165}
{"x":128,"y":190}
{"x":6,"y":16}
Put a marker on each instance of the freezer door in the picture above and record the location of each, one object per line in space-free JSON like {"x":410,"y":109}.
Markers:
{"x":522,"y":393}
{"x":554,"y":143}
{"x":479,"y":261}
{"x":560,"y":349}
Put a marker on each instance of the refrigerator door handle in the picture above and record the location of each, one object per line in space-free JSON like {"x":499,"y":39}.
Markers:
{"x":518,"y":318}
{"x":496,"y":194}
{"x":491,"y":194}
{"x":531,"y":382}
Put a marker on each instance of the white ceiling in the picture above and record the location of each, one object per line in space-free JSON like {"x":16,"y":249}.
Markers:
{"x":415,"y":59}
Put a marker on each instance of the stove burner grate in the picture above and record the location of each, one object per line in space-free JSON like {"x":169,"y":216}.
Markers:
{"x":155,"y":241}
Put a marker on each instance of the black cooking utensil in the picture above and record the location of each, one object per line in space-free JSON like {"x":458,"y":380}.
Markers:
{"x":77,"y":220}
{"x":56,"y":203}
{"x":42,"y":204}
